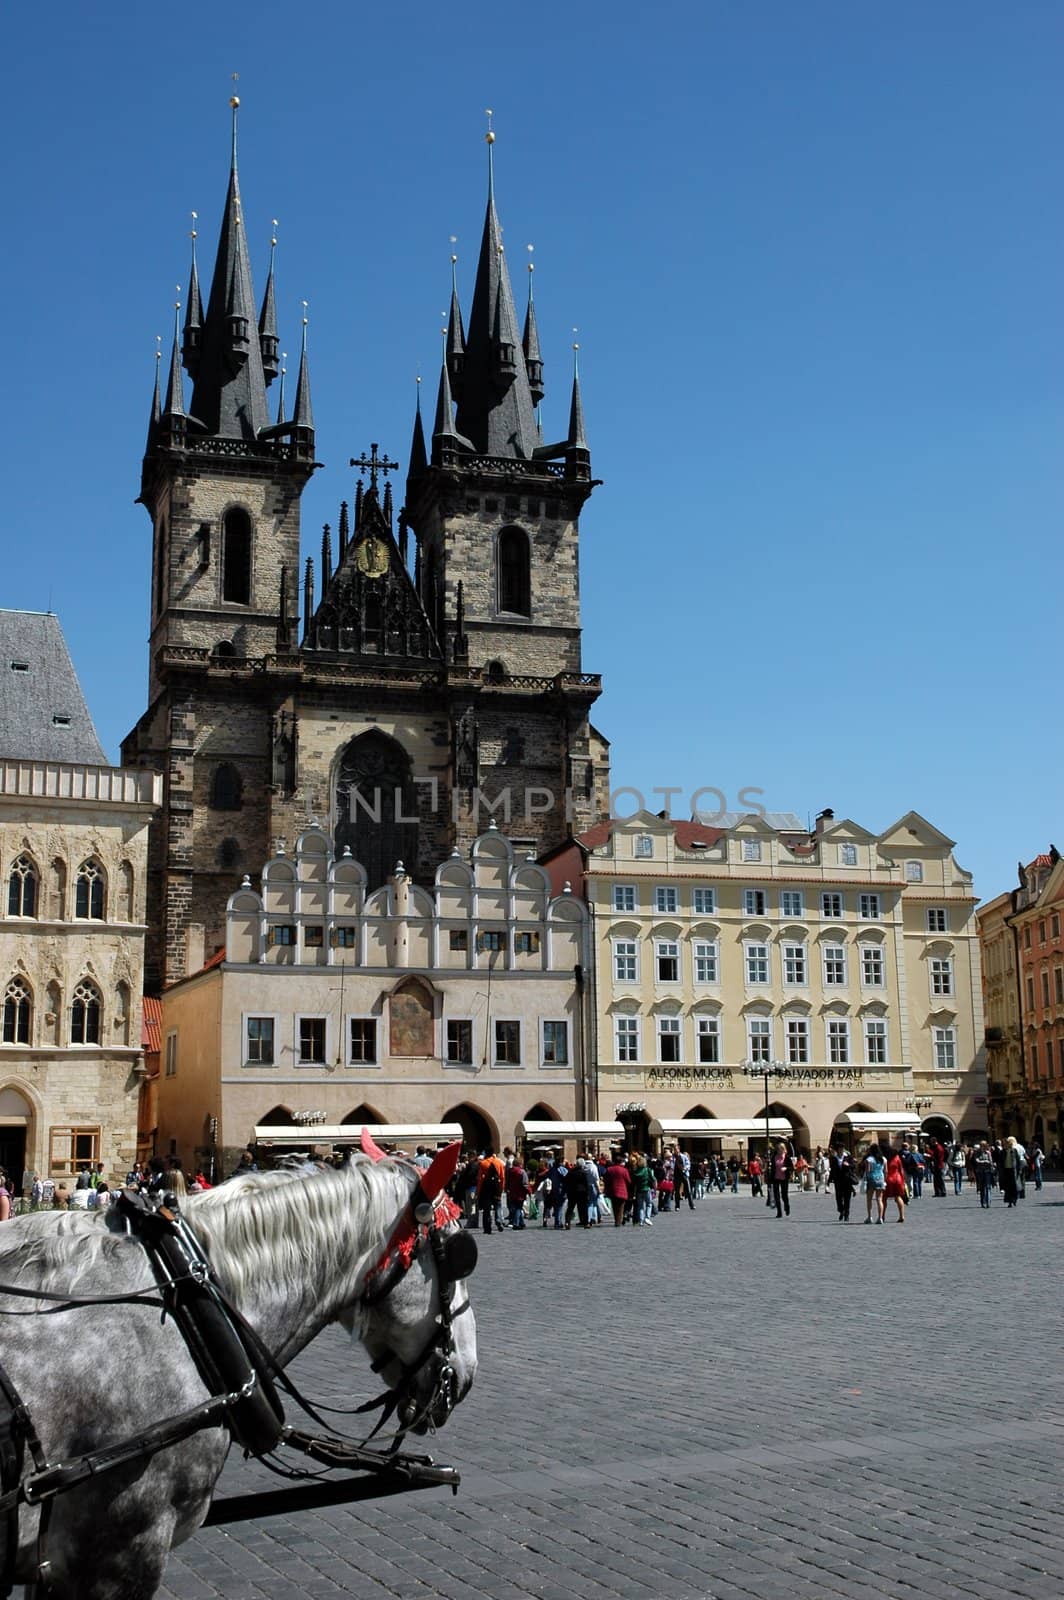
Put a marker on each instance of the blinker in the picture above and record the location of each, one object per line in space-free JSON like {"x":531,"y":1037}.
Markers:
{"x":424,"y":1213}
{"x":460,"y":1253}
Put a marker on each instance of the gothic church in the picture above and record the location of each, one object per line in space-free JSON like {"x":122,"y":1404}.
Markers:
{"x":435,"y":664}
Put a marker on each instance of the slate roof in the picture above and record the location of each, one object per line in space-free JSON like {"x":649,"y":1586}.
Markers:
{"x":38,"y":686}
{"x":778,"y":821}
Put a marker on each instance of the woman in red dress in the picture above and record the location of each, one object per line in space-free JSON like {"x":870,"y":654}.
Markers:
{"x":896,"y":1183}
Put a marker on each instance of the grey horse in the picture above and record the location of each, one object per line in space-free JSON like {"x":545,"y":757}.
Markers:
{"x":293,"y":1250}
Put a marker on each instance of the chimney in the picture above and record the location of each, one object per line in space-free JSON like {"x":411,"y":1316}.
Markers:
{"x":822,"y":819}
{"x":195,"y":944}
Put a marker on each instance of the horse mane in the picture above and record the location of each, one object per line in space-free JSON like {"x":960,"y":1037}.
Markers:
{"x":267,"y":1225}
{"x":260,"y":1227}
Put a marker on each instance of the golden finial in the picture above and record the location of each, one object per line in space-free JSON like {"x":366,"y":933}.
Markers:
{"x":531,"y":263}
{"x":195,"y":218}
{"x":273,"y":240}
{"x":304,"y":313}
{"x":158,"y":347}
{"x":490,"y":135}
{"x":234,"y":99}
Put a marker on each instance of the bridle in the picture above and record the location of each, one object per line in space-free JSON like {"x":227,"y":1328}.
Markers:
{"x":425,"y":1224}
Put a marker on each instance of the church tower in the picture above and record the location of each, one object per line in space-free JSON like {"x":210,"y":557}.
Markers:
{"x":222,"y":487}
{"x":433,"y":679}
{"x":495,"y":510}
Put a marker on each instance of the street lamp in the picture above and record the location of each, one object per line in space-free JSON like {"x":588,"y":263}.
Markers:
{"x":766,"y":1070}
{"x":918,"y":1103}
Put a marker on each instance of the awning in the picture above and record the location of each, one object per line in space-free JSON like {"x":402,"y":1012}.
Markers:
{"x":719,"y":1128}
{"x":311,"y":1133}
{"x":880,"y":1121}
{"x":537,"y":1131}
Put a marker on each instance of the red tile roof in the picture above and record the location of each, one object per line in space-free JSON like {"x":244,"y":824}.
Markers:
{"x":151,"y":1025}
{"x":685,"y":833}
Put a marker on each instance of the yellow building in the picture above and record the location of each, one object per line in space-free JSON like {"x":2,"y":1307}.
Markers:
{"x":332,"y":1006}
{"x":841,"y":963}
{"x":1006,"y":1086}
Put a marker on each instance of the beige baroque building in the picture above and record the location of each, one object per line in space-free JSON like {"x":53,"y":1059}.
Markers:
{"x":848,"y":958}
{"x":73,"y":863}
{"x":335,"y":1004}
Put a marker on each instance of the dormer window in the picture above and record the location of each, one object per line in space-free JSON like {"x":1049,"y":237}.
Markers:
{"x":20,"y":666}
{"x":60,"y":720}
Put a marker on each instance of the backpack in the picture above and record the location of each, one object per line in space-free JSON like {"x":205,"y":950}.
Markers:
{"x":489,"y":1188}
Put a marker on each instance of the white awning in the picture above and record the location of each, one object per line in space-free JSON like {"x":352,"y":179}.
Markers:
{"x":311,"y":1133}
{"x":719,"y":1128}
{"x":537,"y":1131}
{"x":879,"y":1121}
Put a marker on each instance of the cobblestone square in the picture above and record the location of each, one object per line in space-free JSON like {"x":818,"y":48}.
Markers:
{"x":721,"y":1406}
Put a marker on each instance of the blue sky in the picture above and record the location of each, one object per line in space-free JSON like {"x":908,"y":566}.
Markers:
{"x":814,"y":252}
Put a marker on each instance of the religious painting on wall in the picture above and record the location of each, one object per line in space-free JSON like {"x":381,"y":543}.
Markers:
{"x":411,"y":1019}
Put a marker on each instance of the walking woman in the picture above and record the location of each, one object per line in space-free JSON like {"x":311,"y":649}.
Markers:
{"x":782,"y":1172}
{"x":985,"y":1173}
{"x":875,"y":1182}
{"x":1011,"y":1172}
{"x":895,"y":1184}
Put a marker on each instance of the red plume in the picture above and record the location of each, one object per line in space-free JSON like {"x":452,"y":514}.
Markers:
{"x":370,"y":1147}
{"x":436,"y":1178}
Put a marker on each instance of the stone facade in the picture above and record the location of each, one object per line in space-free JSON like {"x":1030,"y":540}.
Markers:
{"x":849,"y":958}
{"x":461,"y":1003}
{"x":72,"y":963}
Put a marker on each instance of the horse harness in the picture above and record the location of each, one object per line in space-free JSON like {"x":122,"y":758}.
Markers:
{"x":239,"y":1371}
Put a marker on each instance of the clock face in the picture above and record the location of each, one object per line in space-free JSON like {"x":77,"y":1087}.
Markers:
{"x":371,"y":557}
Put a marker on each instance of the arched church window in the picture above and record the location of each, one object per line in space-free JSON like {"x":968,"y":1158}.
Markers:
{"x":236,"y":557}
{"x":223,"y":650}
{"x":160,"y":566}
{"x":374,"y":799}
{"x":515,"y":584}
{"x":85,"y":1014}
{"x":226,"y":788}
{"x":89,"y":899}
{"x":18,"y":1012}
{"x":22,"y":888}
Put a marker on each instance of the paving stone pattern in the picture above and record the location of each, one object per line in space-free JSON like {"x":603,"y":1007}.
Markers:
{"x":721,"y":1406}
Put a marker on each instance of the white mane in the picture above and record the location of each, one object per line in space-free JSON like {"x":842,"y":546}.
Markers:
{"x":270,"y":1225}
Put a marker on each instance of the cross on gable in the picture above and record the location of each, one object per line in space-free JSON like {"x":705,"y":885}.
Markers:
{"x":373,"y":464}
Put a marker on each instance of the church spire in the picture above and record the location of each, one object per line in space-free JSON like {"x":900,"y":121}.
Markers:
{"x":156,"y":401}
{"x":530,"y":343}
{"x":190,"y":346}
{"x":495,"y":410}
{"x":455,"y":333}
{"x":175,"y":395}
{"x":268,"y":340}
{"x":303,"y":416}
{"x":229,"y":397}
{"x":418,"y":455}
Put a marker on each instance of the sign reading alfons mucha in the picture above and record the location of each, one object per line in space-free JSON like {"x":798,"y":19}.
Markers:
{"x":721,"y":1078}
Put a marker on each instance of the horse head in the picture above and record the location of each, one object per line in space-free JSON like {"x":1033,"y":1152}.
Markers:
{"x":413,"y":1313}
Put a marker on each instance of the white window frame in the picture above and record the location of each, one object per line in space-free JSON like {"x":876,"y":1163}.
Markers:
{"x":832,"y":953}
{"x":751,"y":849}
{"x":260,"y":1016}
{"x":876,"y":1055}
{"x":643,"y":847}
{"x":666,"y":899}
{"x":704,"y":902}
{"x":362,"y":1016}
{"x":870,"y":906}
{"x":796,"y":1041}
{"x":625,"y":897}
{"x":941,"y":977}
{"x":669,"y":1027}
{"x":759,"y":1028}
{"x":755,"y":903}
{"x":506,"y":1022}
{"x":847,"y":855}
{"x":792,"y":903}
{"x":936,"y":919}
{"x":873,"y":953}
{"x":627,"y":1036}
{"x":667,"y":950}
{"x":311,"y":1016}
{"x":914,"y":872}
{"x":706,"y":955}
{"x":829,"y":899}
{"x":795,"y":965}
{"x":627,"y":955}
{"x":554,"y":1022}
{"x":838,"y":1041}
{"x":756,"y":960}
{"x":450,"y":1061}
{"x":944,"y":1047}
{"x":707,"y":1028}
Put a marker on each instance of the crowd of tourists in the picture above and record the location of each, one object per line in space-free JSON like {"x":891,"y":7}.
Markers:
{"x":500,"y":1191}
